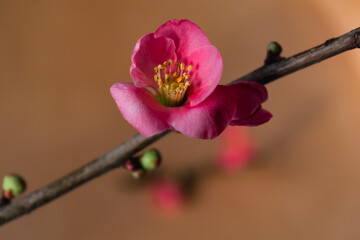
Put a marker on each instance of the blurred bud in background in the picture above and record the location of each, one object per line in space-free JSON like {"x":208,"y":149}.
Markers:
{"x":236,"y":148}
{"x":167,"y":195}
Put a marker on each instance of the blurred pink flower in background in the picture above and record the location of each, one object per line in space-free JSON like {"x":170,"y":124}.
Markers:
{"x":167,"y":195}
{"x":236,"y":149}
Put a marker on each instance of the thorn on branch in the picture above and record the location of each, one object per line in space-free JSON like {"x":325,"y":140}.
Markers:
{"x":274,"y":50}
{"x":329,"y":41}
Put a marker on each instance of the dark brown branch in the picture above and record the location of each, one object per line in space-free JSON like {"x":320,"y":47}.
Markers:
{"x":119,"y":155}
{"x":302,"y":60}
{"x":111,"y":160}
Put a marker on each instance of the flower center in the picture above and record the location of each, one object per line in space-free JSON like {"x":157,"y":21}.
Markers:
{"x":172,"y":79}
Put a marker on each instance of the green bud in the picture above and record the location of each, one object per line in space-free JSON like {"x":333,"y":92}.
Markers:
{"x":150,"y":160}
{"x":274,"y":48}
{"x":14,"y":183}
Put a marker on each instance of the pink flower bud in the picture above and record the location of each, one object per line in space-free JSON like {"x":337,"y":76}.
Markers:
{"x":237,"y":148}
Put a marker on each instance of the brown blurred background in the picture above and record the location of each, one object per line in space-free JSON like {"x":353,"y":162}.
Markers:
{"x":58,"y":60}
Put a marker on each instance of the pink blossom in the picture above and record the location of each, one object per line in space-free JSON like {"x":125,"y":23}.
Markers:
{"x":176,"y":72}
{"x":167,"y":195}
{"x":236,"y":149}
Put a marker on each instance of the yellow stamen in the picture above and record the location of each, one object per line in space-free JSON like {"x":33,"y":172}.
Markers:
{"x":172,"y":86}
{"x":182,"y":66}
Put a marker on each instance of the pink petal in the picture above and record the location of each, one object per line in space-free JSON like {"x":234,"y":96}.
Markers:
{"x":206,"y":74}
{"x":148,"y":53}
{"x":207,"y":119}
{"x":140,"y":108}
{"x":236,"y":104}
{"x":249,"y":96}
{"x":186,"y":35}
{"x":259,"y":117}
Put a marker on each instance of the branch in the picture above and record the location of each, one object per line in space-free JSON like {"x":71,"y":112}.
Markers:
{"x":116,"y":157}
{"x":330,"y":48}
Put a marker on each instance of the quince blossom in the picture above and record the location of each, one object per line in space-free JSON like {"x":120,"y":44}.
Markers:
{"x":176,"y":72}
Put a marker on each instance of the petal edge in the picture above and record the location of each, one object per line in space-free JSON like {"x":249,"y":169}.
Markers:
{"x":140,"y":108}
{"x":186,"y":35}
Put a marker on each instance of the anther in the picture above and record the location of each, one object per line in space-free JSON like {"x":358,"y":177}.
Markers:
{"x":182,"y":66}
{"x":172,"y":86}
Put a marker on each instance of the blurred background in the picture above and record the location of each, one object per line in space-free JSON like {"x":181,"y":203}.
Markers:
{"x":58,"y":60}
